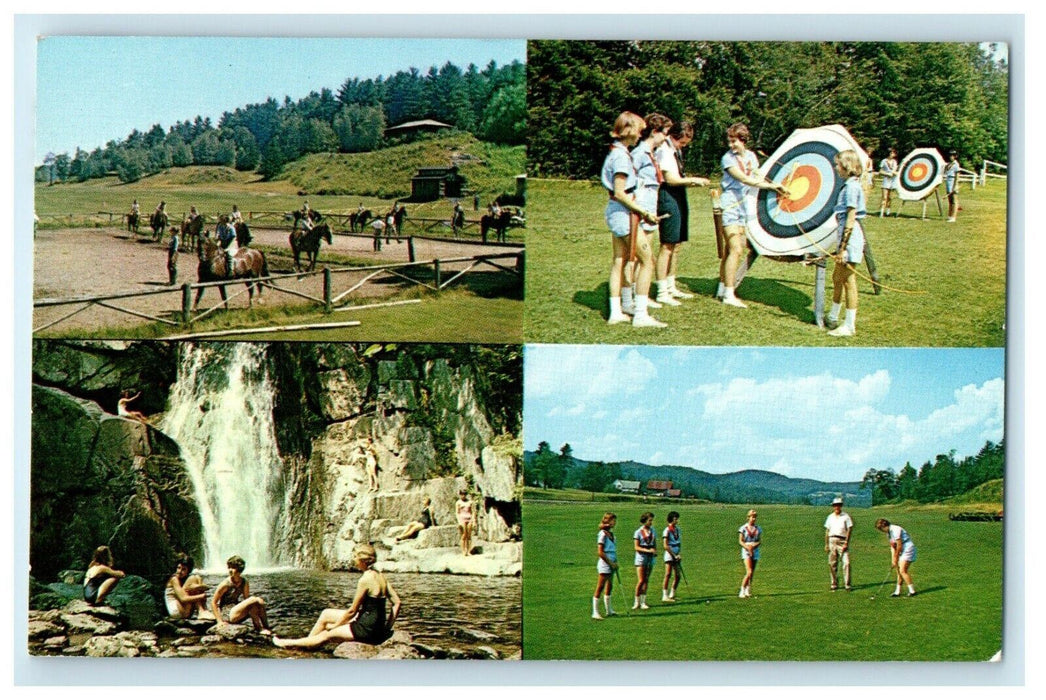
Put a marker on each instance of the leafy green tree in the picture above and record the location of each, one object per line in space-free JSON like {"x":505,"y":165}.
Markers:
{"x":505,"y":119}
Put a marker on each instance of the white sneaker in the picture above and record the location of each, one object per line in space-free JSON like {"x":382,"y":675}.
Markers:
{"x":644,"y":606}
{"x":596,"y":616}
{"x":951,"y":221}
{"x":843,"y":331}
{"x":734,"y":301}
{"x":611,"y":612}
{"x":647,"y":321}
{"x":618,"y":318}
{"x":652,"y":304}
{"x":628,"y":309}
{"x":665,"y":599}
{"x":666,"y":299}
{"x":742,"y":594}
{"x":679,"y":294}
{"x":635,"y":605}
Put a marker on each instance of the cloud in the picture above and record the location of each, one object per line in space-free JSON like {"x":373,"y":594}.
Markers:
{"x":588,"y":373}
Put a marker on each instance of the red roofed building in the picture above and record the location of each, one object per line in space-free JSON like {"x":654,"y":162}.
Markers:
{"x":658,"y":488}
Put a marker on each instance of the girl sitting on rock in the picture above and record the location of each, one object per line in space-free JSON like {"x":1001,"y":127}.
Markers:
{"x":365,"y":620}
{"x":233,"y":598}
{"x":101,"y":577}
{"x":185,"y":592}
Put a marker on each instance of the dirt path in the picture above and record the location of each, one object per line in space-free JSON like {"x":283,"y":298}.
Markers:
{"x":69,"y":263}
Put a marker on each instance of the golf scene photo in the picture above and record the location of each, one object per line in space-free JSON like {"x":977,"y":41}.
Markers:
{"x":767,"y":193}
{"x":763,"y":504}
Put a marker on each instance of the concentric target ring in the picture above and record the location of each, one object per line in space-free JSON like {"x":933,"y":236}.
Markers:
{"x":808,"y":169}
{"x":919,"y":171}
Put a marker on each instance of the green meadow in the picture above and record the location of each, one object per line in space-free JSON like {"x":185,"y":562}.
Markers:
{"x":956,"y":616}
{"x":945,"y":284}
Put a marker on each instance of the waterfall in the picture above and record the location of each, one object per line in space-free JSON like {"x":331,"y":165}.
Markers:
{"x":220,"y":414}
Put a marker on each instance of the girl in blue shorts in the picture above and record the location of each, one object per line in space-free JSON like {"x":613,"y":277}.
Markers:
{"x":606,"y":565}
{"x":740,"y":175}
{"x":849,"y":210}
{"x":619,"y":179}
{"x":646,"y":549}
{"x":749,"y":537}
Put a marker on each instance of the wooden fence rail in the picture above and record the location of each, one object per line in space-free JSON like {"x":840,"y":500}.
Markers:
{"x":328,"y":300}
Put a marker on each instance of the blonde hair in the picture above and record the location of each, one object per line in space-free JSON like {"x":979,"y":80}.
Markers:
{"x":849,"y":162}
{"x":752,"y":512}
{"x":607,"y":519}
{"x":628,"y":124}
{"x":364,"y":552}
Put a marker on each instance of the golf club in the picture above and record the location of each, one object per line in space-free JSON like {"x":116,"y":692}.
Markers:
{"x":621,"y":587}
{"x":889,"y":575}
{"x":679,"y":563}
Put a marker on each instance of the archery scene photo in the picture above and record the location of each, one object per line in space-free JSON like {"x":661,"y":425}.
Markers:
{"x":282,"y":188}
{"x":772,"y":193}
{"x":769,"y":504}
{"x":275,"y":500}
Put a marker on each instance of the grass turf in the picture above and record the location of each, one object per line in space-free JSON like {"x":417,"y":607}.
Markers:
{"x":957,"y":615}
{"x":946,"y":283}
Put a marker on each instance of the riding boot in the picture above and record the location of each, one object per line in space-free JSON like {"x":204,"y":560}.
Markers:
{"x":228,"y":264}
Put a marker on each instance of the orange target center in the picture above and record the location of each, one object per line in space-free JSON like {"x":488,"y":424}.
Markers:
{"x":803,"y":184}
{"x":918,"y":171}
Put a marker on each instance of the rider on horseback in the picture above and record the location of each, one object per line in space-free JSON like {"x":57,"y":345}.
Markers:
{"x":235,"y":217}
{"x":226,"y":234}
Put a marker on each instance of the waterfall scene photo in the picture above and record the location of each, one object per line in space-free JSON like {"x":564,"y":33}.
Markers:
{"x":307,"y":500}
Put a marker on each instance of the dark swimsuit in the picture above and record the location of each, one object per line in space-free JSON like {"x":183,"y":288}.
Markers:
{"x":369,"y":626}
{"x":92,"y":585}
{"x":425,"y":519}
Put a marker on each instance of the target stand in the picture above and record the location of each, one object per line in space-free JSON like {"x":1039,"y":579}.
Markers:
{"x":937,"y":194}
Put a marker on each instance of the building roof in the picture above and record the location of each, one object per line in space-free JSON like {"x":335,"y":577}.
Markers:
{"x":653,"y":485}
{"x":419,"y":123}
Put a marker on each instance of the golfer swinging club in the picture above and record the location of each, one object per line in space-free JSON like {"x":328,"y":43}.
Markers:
{"x":837,"y":530}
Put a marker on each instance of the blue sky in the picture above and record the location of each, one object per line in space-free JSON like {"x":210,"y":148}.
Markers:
{"x":94,"y":89}
{"x":803,"y":412}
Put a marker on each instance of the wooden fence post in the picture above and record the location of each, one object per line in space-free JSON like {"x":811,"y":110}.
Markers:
{"x":186,"y":303}
{"x":410,"y":248}
{"x":327,"y":290}
{"x":435,"y":264}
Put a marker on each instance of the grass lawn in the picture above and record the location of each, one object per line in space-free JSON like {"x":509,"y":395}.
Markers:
{"x":946,"y":283}
{"x":792,"y":615}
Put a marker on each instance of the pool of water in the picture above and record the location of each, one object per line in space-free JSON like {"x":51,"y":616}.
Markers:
{"x":437,"y":609}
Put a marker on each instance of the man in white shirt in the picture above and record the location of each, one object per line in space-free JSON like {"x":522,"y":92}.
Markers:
{"x":837,"y":529}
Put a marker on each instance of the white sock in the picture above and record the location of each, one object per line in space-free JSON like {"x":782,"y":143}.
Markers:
{"x":851,"y":318}
{"x":664,"y":592}
{"x":595,"y":605}
{"x":672,"y":595}
{"x":606,"y":604}
{"x":719,"y":290}
{"x":642,"y":599}
{"x":897,"y":591}
{"x":662,"y":287}
{"x":911,"y":588}
{"x":626,"y":296}
{"x":728,"y":292}
{"x":834,"y":313}
{"x":671,"y":279}
{"x":615,"y":306}
{"x":641,"y":304}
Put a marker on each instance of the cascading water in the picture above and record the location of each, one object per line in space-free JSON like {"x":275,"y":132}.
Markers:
{"x":220,"y":414}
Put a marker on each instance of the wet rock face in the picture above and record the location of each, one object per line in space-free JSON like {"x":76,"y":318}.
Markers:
{"x":97,"y":478}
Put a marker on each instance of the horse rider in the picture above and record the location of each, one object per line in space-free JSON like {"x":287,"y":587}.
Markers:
{"x":226,"y":235}
{"x":235,"y":217}
{"x":457,"y":219}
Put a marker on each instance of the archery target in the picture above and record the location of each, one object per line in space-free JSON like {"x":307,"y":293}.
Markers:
{"x":920,"y":172}
{"x":803,"y":223}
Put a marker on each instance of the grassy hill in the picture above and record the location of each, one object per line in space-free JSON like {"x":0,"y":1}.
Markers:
{"x":489,"y":168}
{"x":334,"y":183}
{"x":989,"y":493}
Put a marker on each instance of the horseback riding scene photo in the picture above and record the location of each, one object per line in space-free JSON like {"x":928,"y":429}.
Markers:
{"x":353,"y":189}
{"x":767,"y":193}
{"x":787,"y":504}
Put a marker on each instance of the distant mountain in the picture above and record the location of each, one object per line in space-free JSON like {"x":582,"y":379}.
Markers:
{"x":747,"y":486}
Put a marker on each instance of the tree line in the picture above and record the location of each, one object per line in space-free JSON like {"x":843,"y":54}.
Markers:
{"x":887,"y":94}
{"x":943,"y":477}
{"x":489,"y":102}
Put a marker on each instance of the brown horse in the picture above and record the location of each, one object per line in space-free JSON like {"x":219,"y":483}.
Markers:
{"x":158,"y":222}
{"x":132,"y":222}
{"x":248,"y":264}
{"x":308,"y":242}
{"x":192,"y":226}
{"x":243,"y":234}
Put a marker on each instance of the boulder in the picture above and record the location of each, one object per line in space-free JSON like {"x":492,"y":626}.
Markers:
{"x":227,"y":631}
{"x":87,"y":624}
{"x":104,"y":612}
{"x":488,"y":652}
{"x":42,"y":629}
{"x":57,"y":642}
{"x":74,"y":650}
{"x":498,"y":474}
{"x":104,"y":647}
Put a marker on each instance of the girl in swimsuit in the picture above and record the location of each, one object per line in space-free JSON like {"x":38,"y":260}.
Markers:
{"x":424,"y":520}
{"x":365,"y":620}
{"x":124,"y":412}
{"x":233,"y":597}
{"x":100,"y":577}
{"x":463,"y":510}
{"x":185,"y":592}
